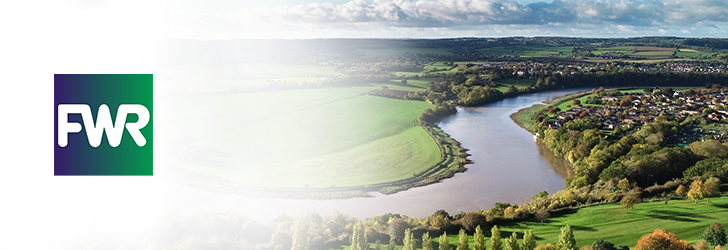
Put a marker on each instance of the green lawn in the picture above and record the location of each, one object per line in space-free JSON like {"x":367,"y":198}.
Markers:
{"x":582,"y":99}
{"x":610,"y":222}
{"x":298,"y":138}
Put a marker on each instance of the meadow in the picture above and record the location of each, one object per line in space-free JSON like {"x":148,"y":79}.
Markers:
{"x":518,"y":83}
{"x":305,"y":138}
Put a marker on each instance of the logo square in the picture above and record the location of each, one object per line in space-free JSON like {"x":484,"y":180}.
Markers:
{"x":103,"y":124}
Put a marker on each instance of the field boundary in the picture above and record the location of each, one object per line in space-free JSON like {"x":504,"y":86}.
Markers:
{"x":453,"y":158}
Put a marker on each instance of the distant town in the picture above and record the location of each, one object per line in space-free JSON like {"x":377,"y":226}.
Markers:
{"x":621,"y":110}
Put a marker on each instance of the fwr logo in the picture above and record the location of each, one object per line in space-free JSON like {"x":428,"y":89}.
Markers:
{"x":87,"y":107}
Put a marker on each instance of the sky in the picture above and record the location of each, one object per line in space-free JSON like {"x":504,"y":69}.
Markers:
{"x":295,"y":19}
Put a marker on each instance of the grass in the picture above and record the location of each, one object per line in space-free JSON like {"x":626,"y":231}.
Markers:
{"x":582,"y":99}
{"x":562,"y":105}
{"x":305,"y":138}
{"x":610,"y":222}
{"x":519,"y":83}
{"x":248,"y":75}
{"x":397,"y":52}
{"x":414,"y":85}
{"x":523,"y":116}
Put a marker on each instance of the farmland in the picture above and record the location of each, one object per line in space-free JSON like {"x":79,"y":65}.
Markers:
{"x":303,"y":119}
{"x":308,"y":138}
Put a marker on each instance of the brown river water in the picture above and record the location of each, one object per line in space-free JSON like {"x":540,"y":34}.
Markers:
{"x":508,"y":166}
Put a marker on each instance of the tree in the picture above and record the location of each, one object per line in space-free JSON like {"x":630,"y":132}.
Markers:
{"x":575,"y":102}
{"x":702,"y":245}
{"x":479,"y":239}
{"x":628,"y":200}
{"x":409,"y":240}
{"x":300,"y":237}
{"x":566,"y":239}
{"x":440,"y":222}
{"x":426,"y":242}
{"x":404,"y":82}
{"x":548,"y":246}
{"x":542,"y":214}
{"x":393,"y":244}
{"x":510,"y":212}
{"x":696,"y":191}
{"x":662,"y":240}
{"x":495,"y":239}
{"x":714,"y":235}
{"x":601,"y":244}
{"x":680,"y":190}
{"x":512,"y":242}
{"x":709,"y":149}
{"x":463,"y":241}
{"x":473,"y":220}
{"x":529,"y":241}
{"x":624,"y":184}
{"x":358,"y":237}
{"x":378,"y":245}
{"x":396,"y":229}
{"x":444,"y":242}
{"x":711,"y":188}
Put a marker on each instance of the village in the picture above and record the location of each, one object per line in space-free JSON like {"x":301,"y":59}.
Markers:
{"x":616,"y":111}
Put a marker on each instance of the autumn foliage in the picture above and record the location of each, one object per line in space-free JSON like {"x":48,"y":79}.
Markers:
{"x":662,"y":240}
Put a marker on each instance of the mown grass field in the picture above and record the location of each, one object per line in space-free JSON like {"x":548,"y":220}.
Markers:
{"x":682,"y":217}
{"x":610,"y":222}
{"x":304,"y":138}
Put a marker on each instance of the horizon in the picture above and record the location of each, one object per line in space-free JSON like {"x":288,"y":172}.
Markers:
{"x":321,"y":19}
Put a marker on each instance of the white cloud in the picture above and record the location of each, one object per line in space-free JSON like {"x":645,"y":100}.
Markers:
{"x":433,"y":18}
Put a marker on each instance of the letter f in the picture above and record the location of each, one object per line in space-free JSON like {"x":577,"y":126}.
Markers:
{"x":64,"y":127}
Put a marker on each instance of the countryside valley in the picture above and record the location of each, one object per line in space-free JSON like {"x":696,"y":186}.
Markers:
{"x":644,"y":142}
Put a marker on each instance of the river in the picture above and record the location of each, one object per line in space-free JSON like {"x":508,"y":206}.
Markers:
{"x":508,"y":166}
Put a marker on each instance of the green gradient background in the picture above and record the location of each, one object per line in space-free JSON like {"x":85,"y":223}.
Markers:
{"x":79,"y":158}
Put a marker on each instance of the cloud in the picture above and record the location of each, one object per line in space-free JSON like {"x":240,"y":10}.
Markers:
{"x":437,"y":18}
{"x":448,"y":13}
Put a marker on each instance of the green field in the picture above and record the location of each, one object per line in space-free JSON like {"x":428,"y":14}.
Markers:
{"x":582,"y":99}
{"x":519,"y":83}
{"x":610,"y":222}
{"x":563,"y":105}
{"x":304,"y":138}
{"x":397,"y":52}
{"x":243,"y":76}
{"x":541,"y":50}
{"x":412,"y":84}
{"x":682,"y":217}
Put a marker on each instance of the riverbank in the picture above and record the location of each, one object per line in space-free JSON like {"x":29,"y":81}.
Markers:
{"x":453,"y":158}
{"x":524,"y":116}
